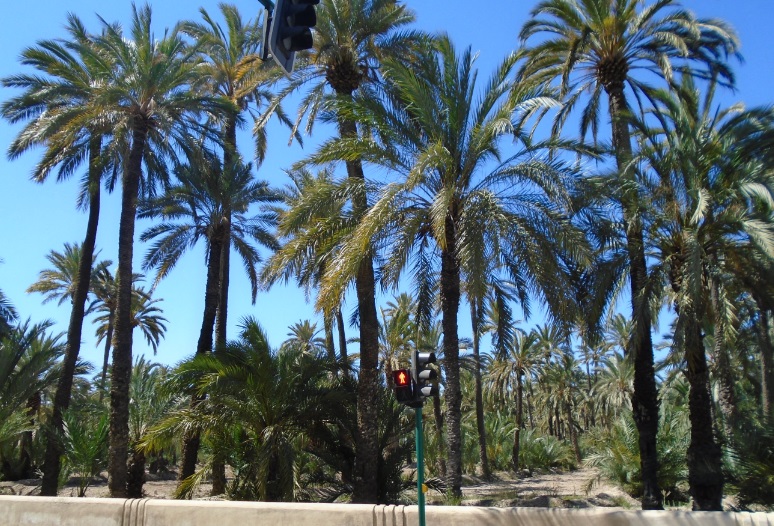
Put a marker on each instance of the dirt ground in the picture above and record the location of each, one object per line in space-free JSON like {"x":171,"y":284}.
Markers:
{"x":553,"y":490}
{"x":573,"y":489}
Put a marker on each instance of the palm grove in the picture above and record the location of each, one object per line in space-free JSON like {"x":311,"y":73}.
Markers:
{"x":465,"y":193}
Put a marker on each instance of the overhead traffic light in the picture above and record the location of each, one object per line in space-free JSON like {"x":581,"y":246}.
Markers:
{"x":422,"y":375}
{"x":291,"y":30}
{"x":401,"y":379}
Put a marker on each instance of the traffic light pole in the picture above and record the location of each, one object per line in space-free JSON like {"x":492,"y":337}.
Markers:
{"x":420,"y":443}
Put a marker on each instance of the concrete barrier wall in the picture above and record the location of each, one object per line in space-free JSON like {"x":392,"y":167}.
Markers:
{"x":156,"y":512}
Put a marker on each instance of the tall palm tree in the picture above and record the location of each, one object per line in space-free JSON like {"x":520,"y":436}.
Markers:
{"x":352,"y":37}
{"x":60,"y":282}
{"x":506,"y":375}
{"x":235,"y":72}
{"x":613,"y":386}
{"x":452,"y":210}
{"x":398,"y":334}
{"x":490,"y":311}
{"x":305,"y":224}
{"x":205,"y":203}
{"x":601,"y":46}
{"x":105,"y":290}
{"x":561,"y":379}
{"x":713,"y":195}
{"x":58,"y":104}
{"x":153,"y":100}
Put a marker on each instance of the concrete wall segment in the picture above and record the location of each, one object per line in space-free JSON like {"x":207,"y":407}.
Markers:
{"x":39,"y":511}
{"x":61,"y":511}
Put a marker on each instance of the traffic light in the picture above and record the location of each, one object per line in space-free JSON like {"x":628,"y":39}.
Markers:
{"x":291,"y":30}
{"x":422,"y":375}
{"x":401,"y":379}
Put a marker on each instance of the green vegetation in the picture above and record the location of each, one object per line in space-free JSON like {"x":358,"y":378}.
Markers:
{"x":434,"y":187}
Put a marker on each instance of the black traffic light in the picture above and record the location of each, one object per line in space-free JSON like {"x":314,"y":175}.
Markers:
{"x":422,"y":375}
{"x":291,"y":30}
{"x":401,"y":379}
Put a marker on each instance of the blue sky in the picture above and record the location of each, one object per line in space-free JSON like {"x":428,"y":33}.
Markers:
{"x":38,"y":218}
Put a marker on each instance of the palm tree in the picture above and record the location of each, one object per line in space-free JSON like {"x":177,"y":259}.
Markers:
{"x":204,"y":204}
{"x":398,"y":334}
{"x":236,"y":73}
{"x":304,"y":336}
{"x":8,"y":314}
{"x":154,"y":105}
{"x":597,"y":46}
{"x":310,"y":227}
{"x":561,"y":379}
{"x":266,"y":398}
{"x":755,"y":272}
{"x":506,"y":375}
{"x":352,"y":37}
{"x":28,"y":366}
{"x":58,"y":105}
{"x":60,"y":282}
{"x":613,"y":386}
{"x":713,"y":200}
{"x":449,"y":205}
{"x":150,"y":404}
{"x":492,"y":305}
{"x":105,"y":290}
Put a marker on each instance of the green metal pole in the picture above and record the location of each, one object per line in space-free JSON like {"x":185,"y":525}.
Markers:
{"x":420,"y":464}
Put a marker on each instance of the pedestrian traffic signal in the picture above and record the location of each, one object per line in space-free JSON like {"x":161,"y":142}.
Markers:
{"x":422,"y":375}
{"x":291,"y":30}
{"x":404,"y":391}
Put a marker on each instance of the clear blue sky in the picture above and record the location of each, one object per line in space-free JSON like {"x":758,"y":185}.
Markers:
{"x":35,"y":218}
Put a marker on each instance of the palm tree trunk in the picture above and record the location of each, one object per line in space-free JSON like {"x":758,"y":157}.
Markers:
{"x":640,"y":345}
{"x":221,"y":322}
{"x":122,"y":345}
{"x":329,"y":346}
{"x":221,"y":319}
{"x":51,"y":462}
{"x":367,"y":458}
{"x":450,"y":303}
{"x":25,"y":444}
{"x":192,"y":440}
{"x":705,"y":475}
{"x":136,"y":477}
{"x":767,"y":361}
{"x":516,"y":450}
{"x":480,"y":426}
{"x":106,"y":357}
{"x":573,"y":432}
{"x":727,"y":394}
{"x":342,"y":336}
{"x":438,"y":417}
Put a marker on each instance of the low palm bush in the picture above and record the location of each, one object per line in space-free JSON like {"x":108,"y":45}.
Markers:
{"x":542,"y":452}
{"x":86,"y":447}
{"x":752,"y":467}
{"x":616,"y":454}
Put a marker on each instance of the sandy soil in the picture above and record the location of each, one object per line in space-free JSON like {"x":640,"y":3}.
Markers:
{"x":573,"y":489}
{"x":554,"y":490}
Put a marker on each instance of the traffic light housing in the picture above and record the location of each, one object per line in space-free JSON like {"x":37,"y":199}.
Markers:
{"x":401,"y":380}
{"x":422,"y":375}
{"x":291,"y":30}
